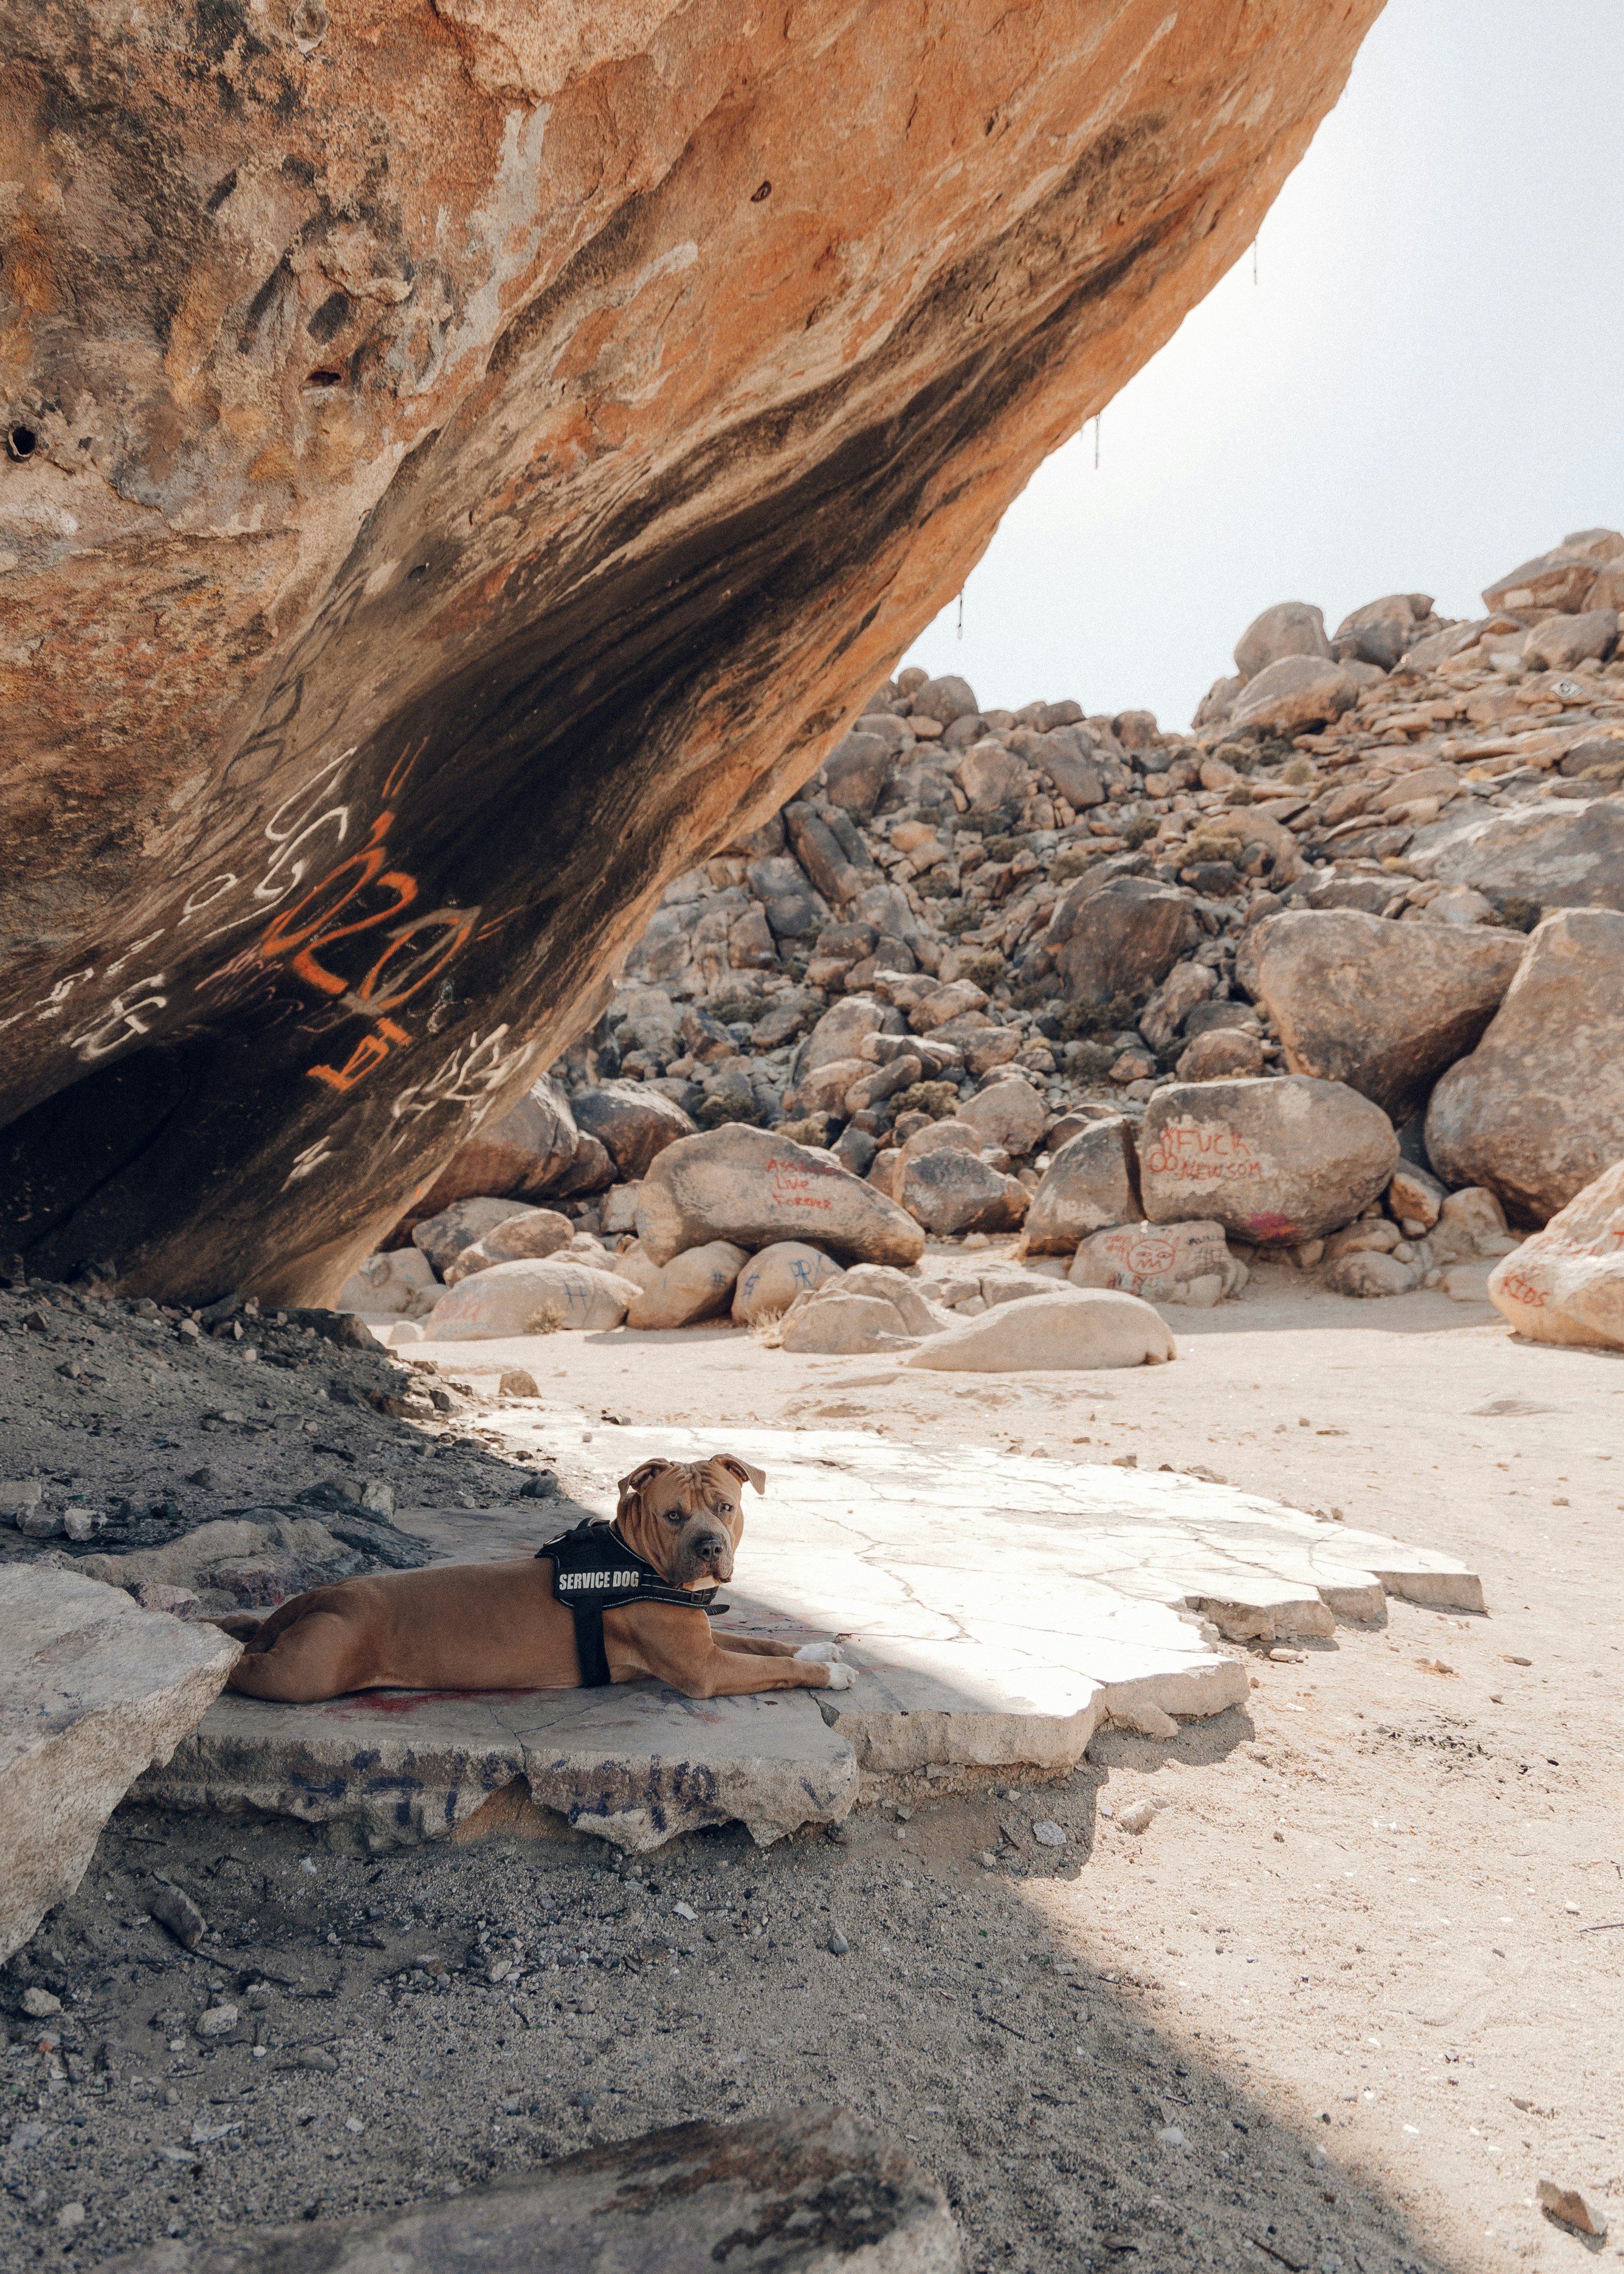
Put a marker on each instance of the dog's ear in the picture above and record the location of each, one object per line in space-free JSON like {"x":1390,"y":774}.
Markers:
{"x":631,"y":1487}
{"x":743,"y":1469}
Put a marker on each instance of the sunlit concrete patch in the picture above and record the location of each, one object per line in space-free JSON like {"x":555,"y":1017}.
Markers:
{"x":1000,"y":1607}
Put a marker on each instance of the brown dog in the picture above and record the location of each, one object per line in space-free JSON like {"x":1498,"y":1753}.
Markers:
{"x":502,"y":1626}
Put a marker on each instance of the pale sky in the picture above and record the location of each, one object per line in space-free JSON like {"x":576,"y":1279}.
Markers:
{"x":1425,"y":386}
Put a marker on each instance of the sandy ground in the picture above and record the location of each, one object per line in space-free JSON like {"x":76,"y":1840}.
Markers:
{"x":1354,"y":1992}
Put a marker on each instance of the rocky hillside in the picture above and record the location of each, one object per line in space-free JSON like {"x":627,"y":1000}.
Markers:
{"x":1055,"y":973}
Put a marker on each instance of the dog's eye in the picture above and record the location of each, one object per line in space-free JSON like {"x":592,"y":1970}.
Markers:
{"x":675,"y":1516}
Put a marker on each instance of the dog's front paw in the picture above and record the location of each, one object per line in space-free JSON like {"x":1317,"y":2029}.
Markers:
{"x":840,"y":1677}
{"x":821,"y":1653}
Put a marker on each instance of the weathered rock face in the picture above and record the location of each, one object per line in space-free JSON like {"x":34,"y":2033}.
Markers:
{"x":1563,"y":855}
{"x":1384,"y":1007}
{"x":465,"y":461}
{"x":1536,"y":1112}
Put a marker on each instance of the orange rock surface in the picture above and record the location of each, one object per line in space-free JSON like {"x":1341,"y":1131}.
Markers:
{"x":464,"y":461}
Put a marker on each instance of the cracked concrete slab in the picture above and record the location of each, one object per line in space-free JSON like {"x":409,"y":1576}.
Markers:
{"x":999,"y":1610}
{"x":1000,"y":1607}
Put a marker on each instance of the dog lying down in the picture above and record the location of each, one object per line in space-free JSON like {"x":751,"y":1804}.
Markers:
{"x":606,"y":1603}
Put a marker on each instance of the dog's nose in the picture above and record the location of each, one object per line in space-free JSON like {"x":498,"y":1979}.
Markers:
{"x":709,"y":1547}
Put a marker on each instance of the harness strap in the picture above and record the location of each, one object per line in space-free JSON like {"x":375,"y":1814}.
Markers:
{"x":595,"y":1547}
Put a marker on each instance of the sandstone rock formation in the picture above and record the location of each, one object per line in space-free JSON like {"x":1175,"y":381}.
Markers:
{"x":465,"y":461}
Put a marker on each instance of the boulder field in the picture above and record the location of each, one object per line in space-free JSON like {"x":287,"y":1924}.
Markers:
{"x":463,"y":462}
{"x":1155,"y":1004}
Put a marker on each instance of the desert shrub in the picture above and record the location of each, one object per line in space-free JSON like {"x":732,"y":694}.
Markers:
{"x":986,"y":971}
{"x":724,"y":1105}
{"x":1072,"y":863}
{"x":938,"y":1099}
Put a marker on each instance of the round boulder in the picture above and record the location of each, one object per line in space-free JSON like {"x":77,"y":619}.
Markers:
{"x":1291,"y":696}
{"x":1073,"y":1329}
{"x":838,"y":1325}
{"x":1162,"y":1263}
{"x":443,"y":1238}
{"x":1537,"y":1112}
{"x":538,"y":1233}
{"x":696,"y":1284}
{"x":531,"y":1298}
{"x":1093,"y":1181}
{"x":769,"y":1282}
{"x":633,"y":1122}
{"x":951,"y":1191}
{"x":751,"y":1187}
{"x":1275,"y":1161}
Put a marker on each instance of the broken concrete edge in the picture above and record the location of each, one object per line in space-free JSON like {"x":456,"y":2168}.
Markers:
{"x":825,"y":2181}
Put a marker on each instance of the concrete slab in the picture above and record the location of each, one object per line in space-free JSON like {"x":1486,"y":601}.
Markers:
{"x":998,"y":1607}
{"x":1001,"y":1607}
{"x":635,"y":1764}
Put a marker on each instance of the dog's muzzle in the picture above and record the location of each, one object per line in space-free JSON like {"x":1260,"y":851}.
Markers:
{"x":709,"y":1556}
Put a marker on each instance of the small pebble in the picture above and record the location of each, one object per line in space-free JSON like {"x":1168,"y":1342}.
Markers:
{"x":839,"y":1945}
{"x":1048,"y":1834}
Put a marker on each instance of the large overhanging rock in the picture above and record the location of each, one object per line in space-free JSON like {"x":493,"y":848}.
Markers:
{"x":465,"y":461}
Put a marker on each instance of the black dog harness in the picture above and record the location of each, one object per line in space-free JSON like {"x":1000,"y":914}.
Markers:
{"x":595,"y":1571}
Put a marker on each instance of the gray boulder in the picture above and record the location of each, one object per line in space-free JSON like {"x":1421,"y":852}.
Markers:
{"x":855,"y":770}
{"x":1091,"y":1182}
{"x":945,"y":699}
{"x":793,"y":909}
{"x":443,"y":1238}
{"x":1117,"y":935}
{"x":1567,"y":853}
{"x":1291,"y":628}
{"x":1274,"y":1161}
{"x":1298,"y":693}
{"x":527,"y":1151}
{"x":1537,"y":1112}
{"x":1384,"y":1007}
{"x":96,"y":1691}
{"x":1382,"y":630}
{"x":634,"y":1122}
{"x":751,"y":1188}
{"x":951,"y":1191}
{"x":822,"y":2189}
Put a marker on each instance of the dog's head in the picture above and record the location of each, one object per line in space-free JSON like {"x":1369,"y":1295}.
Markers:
{"x":684,"y":1517}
